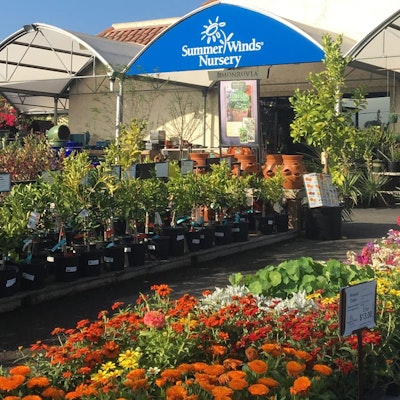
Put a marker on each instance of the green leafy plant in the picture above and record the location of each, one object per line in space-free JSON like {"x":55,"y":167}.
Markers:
{"x":127,"y":148}
{"x":321,"y":122}
{"x":304,"y":274}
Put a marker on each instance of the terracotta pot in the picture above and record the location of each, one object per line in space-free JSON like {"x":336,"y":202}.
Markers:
{"x":247,"y":162}
{"x":199,"y":158}
{"x":272,"y":161}
{"x":293,"y":170}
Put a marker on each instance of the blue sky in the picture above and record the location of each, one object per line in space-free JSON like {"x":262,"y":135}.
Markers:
{"x":88,"y":16}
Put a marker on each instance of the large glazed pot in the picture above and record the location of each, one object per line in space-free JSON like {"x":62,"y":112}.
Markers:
{"x":293,"y":170}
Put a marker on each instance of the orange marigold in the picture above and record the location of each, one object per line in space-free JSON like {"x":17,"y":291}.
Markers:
{"x":11,"y":398}
{"x":20,"y":370}
{"x":272,"y":348}
{"x":237,"y":374}
{"x":294,"y":368}
{"x":218,"y":350}
{"x":322,"y":369}
{"x":301,"y":386}
{"x":258,"y":366}
{"x":232,"y":363}
{"x":214,"y":370}
{"x":221,"y":391}
{"x":138,"y":373}
{"x":31,"y":397}
{"x":270,"y":382}
{"x":53,"y":393}
{"x":251,"y":353}
{"x":258,"y":389}
{"x":171,"y":374}
{"x":12,"y":382}
{"x":38,"y":381}
{"x":303,"y":355}
{"x":238,"y":384}
{"x":176,"y":393}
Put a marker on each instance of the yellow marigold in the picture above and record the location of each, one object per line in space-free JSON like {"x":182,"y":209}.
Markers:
{"x":294,"y":368}
{"x":270,"y":382}
{"x":301,"y":386}
{"x":39,"y":381}
{"x":258,"y":366}
{"x":20,"y":370}
{"x":258,"y":389}
{"x":12,"y":382}
{"x":322,"y":369}
{"x":238,"y":384}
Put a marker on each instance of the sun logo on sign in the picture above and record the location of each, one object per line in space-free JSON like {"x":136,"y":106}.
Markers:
{"x":214,"y":34}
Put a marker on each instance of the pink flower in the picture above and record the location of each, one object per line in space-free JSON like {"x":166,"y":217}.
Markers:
{"x":154,"y":319}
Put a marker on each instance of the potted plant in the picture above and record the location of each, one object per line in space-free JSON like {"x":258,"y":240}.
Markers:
{"x":392,"y":156}
{"x":129,"y":203}
{"x":13,"y":230}
{"x":269,"y":193}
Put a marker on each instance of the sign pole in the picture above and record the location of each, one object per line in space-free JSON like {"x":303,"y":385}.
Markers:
{"x":360,"y":364}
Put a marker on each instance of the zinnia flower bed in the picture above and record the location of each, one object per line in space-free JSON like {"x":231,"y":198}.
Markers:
{"x":231,"y":343}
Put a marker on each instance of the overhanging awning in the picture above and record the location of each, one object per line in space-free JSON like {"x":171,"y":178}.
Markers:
{"x":227,"y":36}
{"x":39,"y":62}
{"x":380,"y":49}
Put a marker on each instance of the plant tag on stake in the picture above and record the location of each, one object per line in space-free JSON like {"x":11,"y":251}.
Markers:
{"x":33,"y":220}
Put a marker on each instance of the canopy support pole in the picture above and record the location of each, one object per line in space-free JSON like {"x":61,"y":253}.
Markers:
{"x":55,"y":117}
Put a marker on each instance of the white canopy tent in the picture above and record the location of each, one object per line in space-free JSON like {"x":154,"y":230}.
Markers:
{"x":39,"y":62}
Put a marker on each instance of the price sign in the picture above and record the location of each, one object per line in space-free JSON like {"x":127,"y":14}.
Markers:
{"x":357,"y":307}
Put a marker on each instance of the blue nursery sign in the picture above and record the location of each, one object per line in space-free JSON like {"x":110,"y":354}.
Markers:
{"x":226,"y":36}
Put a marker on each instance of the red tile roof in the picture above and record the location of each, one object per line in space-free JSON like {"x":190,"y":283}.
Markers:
{"x":141,"y":32}
{"x":137,"y":32}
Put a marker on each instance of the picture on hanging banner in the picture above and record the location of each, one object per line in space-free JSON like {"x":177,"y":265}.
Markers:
{"x":239,"y":113}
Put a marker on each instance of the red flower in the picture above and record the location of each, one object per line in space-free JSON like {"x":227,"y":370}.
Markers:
{"x":154,"y":319}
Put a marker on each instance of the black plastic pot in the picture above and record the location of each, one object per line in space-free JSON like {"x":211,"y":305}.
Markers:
{"x":114,"y":258}
{"x":240,"y":231}
{"x":91,"y":262}
{"x":265,"y":225}
{"x":33,"y":275}
{"x":223,"y":234}
{"x":135,"y":254}
{"x":65,"y":268}
{"x":177,"y":240}
{"x":282,"y":222}
{"x":9,"y":280}
{"x":207,"y":234}
{"x":193,"y":240}
{"x":323,"y":223}
{"x":158,"y":247}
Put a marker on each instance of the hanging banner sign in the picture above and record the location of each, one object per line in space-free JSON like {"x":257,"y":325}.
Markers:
{"x":357,"y":307}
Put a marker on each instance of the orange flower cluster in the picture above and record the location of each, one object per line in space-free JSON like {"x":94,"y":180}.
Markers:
{"x":226,"y":353}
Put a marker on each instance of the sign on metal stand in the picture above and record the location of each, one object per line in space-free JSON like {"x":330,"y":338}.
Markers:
{"x":357,"y":311}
